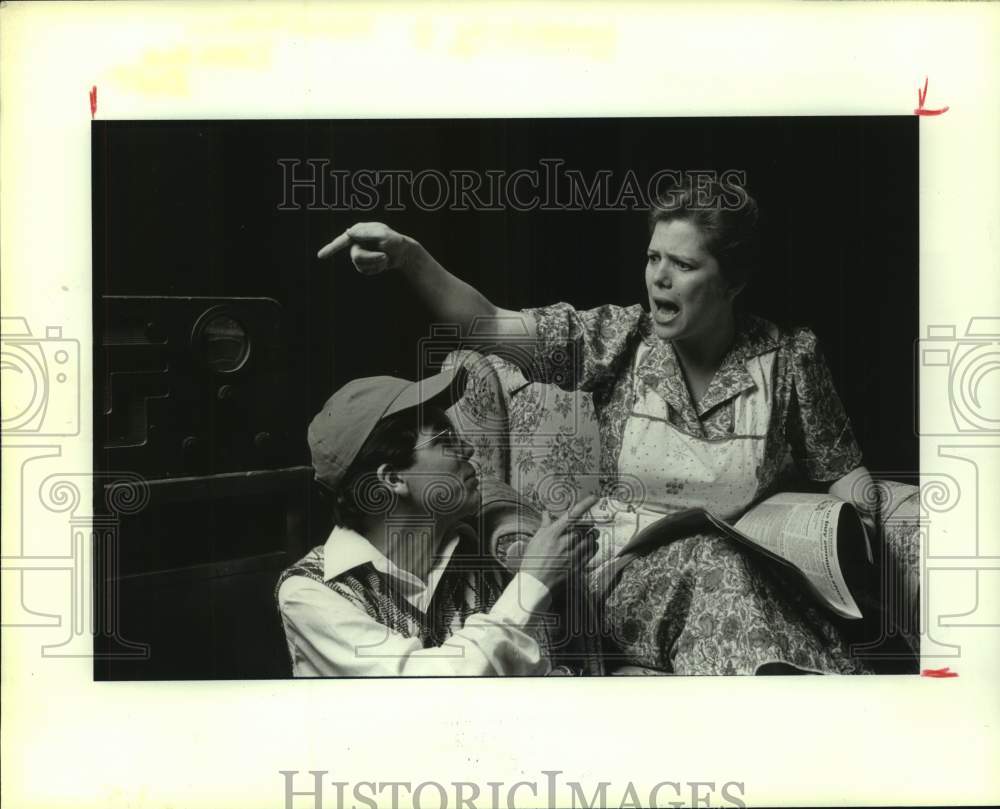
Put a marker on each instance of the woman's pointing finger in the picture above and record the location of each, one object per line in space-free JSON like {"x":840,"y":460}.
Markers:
{"x":334,"y":247}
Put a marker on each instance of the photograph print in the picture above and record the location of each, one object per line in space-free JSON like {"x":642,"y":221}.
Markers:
{"x":506,"y":397}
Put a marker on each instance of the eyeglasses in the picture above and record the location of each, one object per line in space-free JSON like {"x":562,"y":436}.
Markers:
{"x":448,"y":437}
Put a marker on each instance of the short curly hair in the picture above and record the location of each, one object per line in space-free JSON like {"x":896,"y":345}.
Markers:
{"x":730,"y":229}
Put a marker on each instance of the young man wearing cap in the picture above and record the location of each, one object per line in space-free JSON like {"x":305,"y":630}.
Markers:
{"x":402,"y":587}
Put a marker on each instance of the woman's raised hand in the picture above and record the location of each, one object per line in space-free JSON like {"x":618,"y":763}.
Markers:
{"x":561,"y":546}
{"x":374,"y":247}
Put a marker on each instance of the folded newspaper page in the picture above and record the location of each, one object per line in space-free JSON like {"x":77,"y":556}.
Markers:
{"x":803,"y":529}
{"x":803,"y":532}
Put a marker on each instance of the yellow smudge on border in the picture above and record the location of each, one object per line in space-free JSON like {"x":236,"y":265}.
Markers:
{"x":169,"y":71}
{"x":158,"y":71}
{"x":325,"y":22}
{"x":542,"y":38}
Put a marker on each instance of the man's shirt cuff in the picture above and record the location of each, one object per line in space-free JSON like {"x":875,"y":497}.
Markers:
{"x":521,"y":600}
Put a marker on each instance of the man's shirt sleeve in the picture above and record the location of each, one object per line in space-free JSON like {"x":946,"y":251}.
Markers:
{"x":328,"y":635}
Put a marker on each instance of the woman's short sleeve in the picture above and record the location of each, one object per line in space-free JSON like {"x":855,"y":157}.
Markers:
{"x":818,"y":429}
{"x":582,"y":350}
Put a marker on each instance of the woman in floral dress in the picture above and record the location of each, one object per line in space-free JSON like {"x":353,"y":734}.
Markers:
{"x":698,"y":404}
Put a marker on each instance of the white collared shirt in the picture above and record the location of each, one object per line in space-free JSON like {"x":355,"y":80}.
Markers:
{"x":329,"y":635}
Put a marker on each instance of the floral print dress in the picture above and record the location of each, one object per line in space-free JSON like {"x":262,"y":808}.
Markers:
{"x":701,"y":605}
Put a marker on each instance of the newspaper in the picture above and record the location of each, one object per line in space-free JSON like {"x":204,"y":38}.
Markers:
{"x":802,"y":529}
{"x":805,"y":533}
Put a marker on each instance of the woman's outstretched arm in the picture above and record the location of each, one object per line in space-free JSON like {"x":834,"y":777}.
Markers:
{"x":376,"y":247}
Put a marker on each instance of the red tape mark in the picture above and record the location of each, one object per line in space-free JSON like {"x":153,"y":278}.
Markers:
{"x":921,"y":98}
{"x":93,"y":101}
{"x":945,"y":672}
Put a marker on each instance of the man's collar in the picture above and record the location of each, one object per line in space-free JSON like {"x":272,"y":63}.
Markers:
{"x":346,"y":549}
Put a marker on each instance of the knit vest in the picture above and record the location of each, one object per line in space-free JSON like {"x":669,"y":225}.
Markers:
{"x":460,"y":593}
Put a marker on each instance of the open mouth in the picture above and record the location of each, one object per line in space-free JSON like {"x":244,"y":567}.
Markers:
{"x":664,"y":311}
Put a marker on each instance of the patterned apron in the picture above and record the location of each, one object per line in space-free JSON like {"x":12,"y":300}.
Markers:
{"x":673,"y":470}
{"x":695,"y":606}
